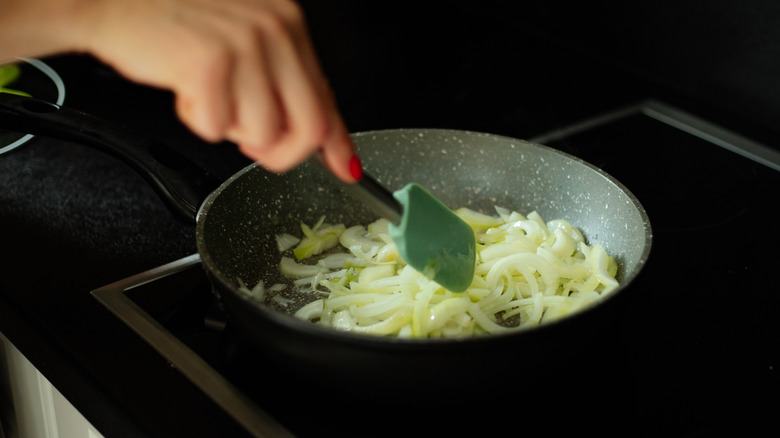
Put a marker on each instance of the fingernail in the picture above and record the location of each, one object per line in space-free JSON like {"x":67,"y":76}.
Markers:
{"x":355,"y":168}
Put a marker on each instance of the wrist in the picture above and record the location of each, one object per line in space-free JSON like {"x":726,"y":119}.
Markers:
{"x":35,"y":28}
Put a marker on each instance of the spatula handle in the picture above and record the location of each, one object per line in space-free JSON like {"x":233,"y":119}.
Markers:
{"x":377,"y":197}
{"x":370,"y":192}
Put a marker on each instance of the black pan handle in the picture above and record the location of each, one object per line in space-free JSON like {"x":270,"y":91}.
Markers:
{"x":180,"y":183}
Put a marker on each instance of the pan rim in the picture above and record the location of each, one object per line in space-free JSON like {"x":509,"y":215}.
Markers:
{"x":367,"y":340}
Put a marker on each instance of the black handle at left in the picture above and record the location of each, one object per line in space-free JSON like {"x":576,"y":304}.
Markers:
{"x":179,"y":182}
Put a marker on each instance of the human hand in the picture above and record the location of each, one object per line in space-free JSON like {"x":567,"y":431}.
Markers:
{"x":241,"y":70}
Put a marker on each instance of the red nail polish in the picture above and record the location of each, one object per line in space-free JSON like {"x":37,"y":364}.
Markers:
{"x":355,"y":167}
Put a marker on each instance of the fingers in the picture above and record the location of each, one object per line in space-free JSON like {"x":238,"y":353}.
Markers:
{"x":229,"y":92}
{"x":302,"y":112}
{"x":338,"y":151}
{"x":259,"y":115}
{"x":201,"y":101}
{"x":310,"y":119}
{"x":241,"y":70}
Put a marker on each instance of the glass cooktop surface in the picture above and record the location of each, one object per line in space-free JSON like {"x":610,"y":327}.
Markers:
{"x":696,"y":336}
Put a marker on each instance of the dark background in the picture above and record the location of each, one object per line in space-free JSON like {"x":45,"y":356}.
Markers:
{"x":444,"y":63}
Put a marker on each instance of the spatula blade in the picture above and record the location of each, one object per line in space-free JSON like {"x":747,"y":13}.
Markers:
{"x":433,"y":240}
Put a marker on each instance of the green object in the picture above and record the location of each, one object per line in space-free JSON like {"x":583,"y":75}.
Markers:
{"x":434,"y":240}
{"x":8,"y":74}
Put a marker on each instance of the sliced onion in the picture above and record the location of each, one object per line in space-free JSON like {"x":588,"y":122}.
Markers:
{"x":527,"y":271}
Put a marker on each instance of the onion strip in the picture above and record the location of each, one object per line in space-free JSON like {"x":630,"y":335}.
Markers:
{"x":528,"y":272}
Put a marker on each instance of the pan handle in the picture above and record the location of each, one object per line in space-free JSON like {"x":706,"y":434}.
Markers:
{"x":180,"y":183}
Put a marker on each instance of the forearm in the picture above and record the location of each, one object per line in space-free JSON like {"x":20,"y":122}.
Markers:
{"x":34,"y":28}
{"x":241,"y":70}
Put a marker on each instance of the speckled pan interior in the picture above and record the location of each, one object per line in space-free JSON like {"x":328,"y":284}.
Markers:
{"x":237,"y":224}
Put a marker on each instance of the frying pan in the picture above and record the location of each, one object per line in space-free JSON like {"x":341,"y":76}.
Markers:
{"x":237,"y":222}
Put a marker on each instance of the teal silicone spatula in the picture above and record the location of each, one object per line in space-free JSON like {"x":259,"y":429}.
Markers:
{"x":429,"y":236}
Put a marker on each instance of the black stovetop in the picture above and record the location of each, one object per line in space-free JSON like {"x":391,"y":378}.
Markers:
{"x":698,"y":332}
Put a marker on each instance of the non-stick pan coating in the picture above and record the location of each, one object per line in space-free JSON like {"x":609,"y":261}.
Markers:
{"x":238,"y":222}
